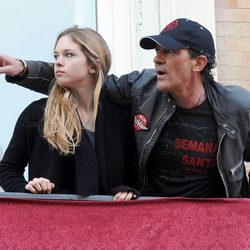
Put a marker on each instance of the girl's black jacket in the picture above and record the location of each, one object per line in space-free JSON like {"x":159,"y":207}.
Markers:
{"x":85,"y":172}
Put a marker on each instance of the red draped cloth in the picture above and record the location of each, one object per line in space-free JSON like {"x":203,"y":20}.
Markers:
{"x":168,"y":223}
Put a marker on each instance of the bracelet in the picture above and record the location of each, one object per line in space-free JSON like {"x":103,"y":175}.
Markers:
{"x":24,"y":67}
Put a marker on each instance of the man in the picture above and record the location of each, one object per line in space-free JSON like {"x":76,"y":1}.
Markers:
{"x":191,"y":132}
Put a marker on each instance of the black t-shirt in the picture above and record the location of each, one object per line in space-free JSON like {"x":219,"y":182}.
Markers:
{"x":183,"y":160}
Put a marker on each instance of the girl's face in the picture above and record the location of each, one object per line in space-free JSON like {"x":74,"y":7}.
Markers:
{"x":72,"y":69}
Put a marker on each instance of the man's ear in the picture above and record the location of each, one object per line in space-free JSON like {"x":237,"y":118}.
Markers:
{"x":200,"y":63}
{"x":95,"y":67}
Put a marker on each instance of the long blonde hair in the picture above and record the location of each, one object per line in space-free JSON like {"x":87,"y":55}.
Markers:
{"x":62,"y":125}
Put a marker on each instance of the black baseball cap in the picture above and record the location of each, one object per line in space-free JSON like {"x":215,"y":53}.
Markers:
{"x":183,"y":33}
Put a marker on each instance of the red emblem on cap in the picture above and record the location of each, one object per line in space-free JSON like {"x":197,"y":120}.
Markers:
{"x":171,"y":26}
{"x":140,"y":122}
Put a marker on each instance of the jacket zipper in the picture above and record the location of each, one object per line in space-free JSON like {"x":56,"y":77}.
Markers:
{"x":144,"y":175}
{"x":235,"y":168}
{"x":222,"y":177}
{"x":151,"y":136}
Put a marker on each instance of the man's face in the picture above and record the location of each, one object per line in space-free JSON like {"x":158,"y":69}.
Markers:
{"x":173,"y":68}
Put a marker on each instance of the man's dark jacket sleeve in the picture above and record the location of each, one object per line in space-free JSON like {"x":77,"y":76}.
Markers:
{"x":37,"y":77}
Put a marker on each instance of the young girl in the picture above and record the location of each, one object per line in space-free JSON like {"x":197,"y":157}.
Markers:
{"x":76,"y":141}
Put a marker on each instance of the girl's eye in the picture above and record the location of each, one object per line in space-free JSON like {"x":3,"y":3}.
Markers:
{"x":55,"y":57}
{"x":69,"y":55}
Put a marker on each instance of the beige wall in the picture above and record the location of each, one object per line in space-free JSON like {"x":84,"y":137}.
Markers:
{"x":228,"y":20}
{"x":124,"y":23}
{"x":233,"y":41}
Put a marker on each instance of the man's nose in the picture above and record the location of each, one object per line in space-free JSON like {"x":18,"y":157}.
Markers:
{"x":158,"y":59}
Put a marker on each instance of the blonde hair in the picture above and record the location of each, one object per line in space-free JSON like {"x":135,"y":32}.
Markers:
{"x":62,"y":125}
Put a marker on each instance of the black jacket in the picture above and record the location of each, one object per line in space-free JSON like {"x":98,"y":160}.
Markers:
{"x":231,"y":109}
{"x":230,"y":106}
{"x":114,"y":146}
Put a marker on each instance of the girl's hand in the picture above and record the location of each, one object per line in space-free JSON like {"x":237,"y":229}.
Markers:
{"x":124,"y":196}
{"x":40,"y":186}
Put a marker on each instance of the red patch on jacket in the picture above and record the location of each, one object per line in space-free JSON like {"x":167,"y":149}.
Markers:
{"x":140,"y":122}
